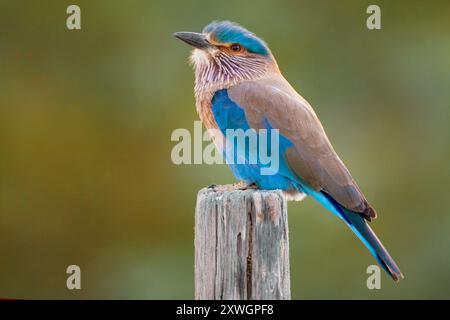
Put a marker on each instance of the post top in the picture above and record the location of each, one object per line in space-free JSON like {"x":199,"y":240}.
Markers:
{"x":238,"y":189}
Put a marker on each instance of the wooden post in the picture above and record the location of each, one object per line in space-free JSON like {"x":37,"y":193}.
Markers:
{"x":241,"y":244}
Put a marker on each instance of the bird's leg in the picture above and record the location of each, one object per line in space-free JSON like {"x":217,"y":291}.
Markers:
{"x":243,"y":185}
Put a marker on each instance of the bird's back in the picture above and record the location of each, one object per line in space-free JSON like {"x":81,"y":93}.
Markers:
{"x":312,"y":157}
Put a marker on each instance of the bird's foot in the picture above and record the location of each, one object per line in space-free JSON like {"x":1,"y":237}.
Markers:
{"x":242,"y":185}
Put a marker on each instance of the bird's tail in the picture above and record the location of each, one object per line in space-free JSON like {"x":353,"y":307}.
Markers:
{"x":360,"y":227}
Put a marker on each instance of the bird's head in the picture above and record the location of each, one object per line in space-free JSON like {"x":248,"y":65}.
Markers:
{"x":226,"y":53}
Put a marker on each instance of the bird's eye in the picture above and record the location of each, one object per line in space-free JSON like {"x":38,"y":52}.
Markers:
{"x":235,"y":47}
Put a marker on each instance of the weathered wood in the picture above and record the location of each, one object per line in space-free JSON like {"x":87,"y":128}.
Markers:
{"x":241,"y":244}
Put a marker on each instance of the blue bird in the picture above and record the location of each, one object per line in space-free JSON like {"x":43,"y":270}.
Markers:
{"x":238,"y":85}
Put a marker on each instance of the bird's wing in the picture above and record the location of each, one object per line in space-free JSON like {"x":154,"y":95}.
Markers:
{"x":312,"y":158}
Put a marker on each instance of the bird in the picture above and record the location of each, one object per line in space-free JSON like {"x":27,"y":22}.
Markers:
{"x":238,"y":85}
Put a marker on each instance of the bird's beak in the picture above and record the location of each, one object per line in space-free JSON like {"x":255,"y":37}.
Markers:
{"x":197,"y":40}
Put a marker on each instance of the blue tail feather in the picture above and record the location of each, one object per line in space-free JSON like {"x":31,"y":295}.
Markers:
{"x":362,"y":230}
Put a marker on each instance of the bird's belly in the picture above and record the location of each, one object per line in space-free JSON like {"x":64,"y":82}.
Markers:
{"x":251,"y":173}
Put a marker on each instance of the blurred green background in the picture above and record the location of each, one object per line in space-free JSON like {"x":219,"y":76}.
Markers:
{"x":86,"y":117}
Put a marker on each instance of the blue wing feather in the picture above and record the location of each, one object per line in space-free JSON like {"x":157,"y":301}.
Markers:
{"x":230,"y":116}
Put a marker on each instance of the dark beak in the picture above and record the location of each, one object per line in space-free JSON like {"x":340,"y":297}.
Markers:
{"x":194,"y":39}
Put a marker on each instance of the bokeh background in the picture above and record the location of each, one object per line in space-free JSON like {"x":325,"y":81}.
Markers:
{"x":86,"y":117}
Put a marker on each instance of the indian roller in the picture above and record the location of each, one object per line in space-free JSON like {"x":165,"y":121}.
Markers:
{"x":238,"y":85}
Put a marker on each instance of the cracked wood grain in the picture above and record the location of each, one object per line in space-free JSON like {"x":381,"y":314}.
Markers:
{"x":241,"y":244}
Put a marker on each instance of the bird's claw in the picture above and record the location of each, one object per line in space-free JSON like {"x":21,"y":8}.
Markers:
{"x":245,"y":186}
